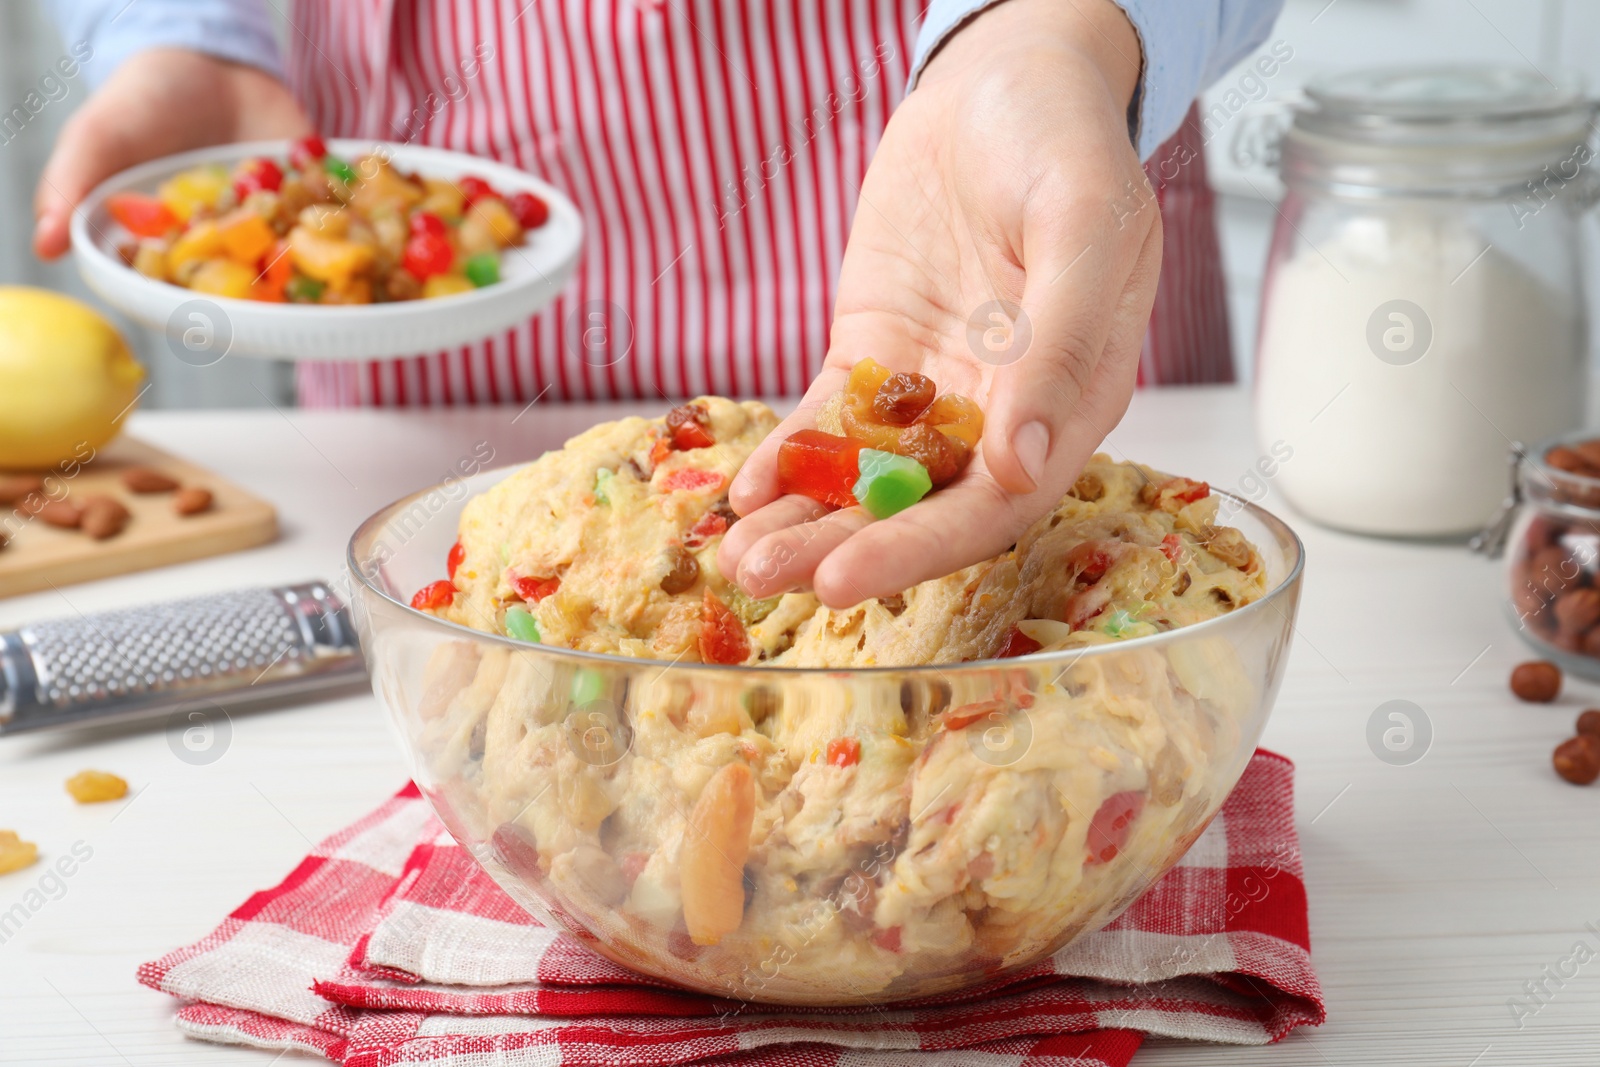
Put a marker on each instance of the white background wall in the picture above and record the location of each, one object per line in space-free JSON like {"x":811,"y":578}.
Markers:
{"x":1324,"y":34}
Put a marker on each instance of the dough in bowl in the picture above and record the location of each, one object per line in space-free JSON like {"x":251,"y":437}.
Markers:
{"x":881,"y":833}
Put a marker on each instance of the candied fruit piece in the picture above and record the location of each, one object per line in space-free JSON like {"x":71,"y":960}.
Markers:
{"x":141,"y":215}
{"x":722,"y":637}
{"x":1018,"y":644}
{"x":16,"y":853}
{"x":92,"y":787}
{"x":844,"y":752}
{"x":535,"y":588}
{"x":866,"y":378}
{"x":958,"y":418}
{"x":690,"y":427}
{"x":820,"y":465}
{"x":889,"y":483}
{"x":936,"y":451}
{"x":902,"y":397}
{"x":433,"y":596}
{"x":522,"y":625}
{"x":691,"y":479}
{"x":1109,"y":829}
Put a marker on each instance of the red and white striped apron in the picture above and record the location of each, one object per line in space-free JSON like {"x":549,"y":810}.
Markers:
{"x":714,"y":147}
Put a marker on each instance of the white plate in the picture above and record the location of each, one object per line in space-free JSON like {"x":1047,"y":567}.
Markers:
{"x":201,"y":329}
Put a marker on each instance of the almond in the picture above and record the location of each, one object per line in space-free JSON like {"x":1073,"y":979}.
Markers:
{"x":104,"y":517}
{"x":192,"y":501}
{"x":13,"y":487}
{"x":147,"y":480}
{"x":61,"y":513}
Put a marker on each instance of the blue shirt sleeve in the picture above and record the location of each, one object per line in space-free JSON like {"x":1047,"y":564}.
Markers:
{"x":1187,"y":45}
{"x":110,"y":31}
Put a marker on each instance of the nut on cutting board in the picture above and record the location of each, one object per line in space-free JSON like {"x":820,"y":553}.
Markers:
{"x":132,"y":507}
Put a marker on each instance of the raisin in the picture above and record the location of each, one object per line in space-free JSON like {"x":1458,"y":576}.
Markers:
{"x":92,"y":787}
{"x":902,"y":397}
{"x":932,"y":449}
{"x":683,"y":571}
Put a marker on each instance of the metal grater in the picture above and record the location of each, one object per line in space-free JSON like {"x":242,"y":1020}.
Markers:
{"x":238,"y":647}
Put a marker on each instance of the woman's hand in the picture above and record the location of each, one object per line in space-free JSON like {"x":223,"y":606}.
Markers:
{"x":161,"y":101}
{"x":1005,"y":180}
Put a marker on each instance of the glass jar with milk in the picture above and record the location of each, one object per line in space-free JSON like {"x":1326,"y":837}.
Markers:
{"x":1424,"y":298}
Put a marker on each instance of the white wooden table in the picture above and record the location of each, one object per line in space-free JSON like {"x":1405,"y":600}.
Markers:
{"x":1438,"y":890}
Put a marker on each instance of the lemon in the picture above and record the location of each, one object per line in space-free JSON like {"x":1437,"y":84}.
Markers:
{"x":66,"y":379}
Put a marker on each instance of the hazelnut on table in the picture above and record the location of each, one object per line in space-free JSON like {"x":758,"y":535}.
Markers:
{"x":1537,"y":681}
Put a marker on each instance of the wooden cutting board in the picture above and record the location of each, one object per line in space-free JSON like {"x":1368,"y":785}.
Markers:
{"x":39,"y":556}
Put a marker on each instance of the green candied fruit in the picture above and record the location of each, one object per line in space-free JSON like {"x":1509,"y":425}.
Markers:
{"x":303,"y":290}
{"x":339,"y":169}
{"x":1117,"y":623}
{"x":522,"y":625}
{"x":602,"y":486}
{"x":482,"y":269}
{"x":587,"y":686}
{"x":751,"y":611}
{"x":890,"y":483}
{"x":1122,"y":623}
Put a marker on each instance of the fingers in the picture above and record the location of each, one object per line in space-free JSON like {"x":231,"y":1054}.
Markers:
{"x":81,"y":160}
{"x":756,"y":484}
{"x":786,"y":558}
{"x":929,"y":540}
{"x":160,"y":101}
{"x":1086,"y":301}
{"x":781,"y":513}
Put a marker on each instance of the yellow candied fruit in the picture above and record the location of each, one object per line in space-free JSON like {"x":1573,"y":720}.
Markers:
{"x":16,"y":853}
{"x":201,"y":241}
{"x":201,"y":187}
{"x":442,"y":198}
{"x":92,"y":787}
{"x":445,"y":285}
{"x":223,"y":277}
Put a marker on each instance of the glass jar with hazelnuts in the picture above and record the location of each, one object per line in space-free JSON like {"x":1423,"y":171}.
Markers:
{"x":1553,"y":551}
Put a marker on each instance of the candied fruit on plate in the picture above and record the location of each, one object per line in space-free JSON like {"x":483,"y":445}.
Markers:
{"x":315,"y":228}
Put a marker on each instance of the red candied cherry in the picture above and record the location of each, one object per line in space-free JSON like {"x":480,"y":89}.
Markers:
{"x":427,"y":254}
{"x":474,"y":188}
{"x":531,"y":211}
{"x":434,"y":595}
{"x":257,"y":175}
{"x":426,"y":222}
{"x":307,"y":152}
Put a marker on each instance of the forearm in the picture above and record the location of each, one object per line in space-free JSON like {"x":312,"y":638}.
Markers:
{"x":107,"y":32}
{"x":1095,"y":30}
{"x":1181,"y":45}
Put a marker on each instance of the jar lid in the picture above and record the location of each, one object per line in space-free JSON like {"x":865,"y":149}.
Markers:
{"x":1444,"y":93}
{"x":1475,"y":129}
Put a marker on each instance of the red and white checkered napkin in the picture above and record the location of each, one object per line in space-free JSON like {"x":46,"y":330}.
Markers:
{"x":388,"y":946}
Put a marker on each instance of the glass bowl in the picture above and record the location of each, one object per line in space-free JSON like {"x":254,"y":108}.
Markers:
{"x":971,"y":818}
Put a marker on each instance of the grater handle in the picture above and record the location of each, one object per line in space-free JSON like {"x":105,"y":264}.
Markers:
{"x":218,"y":651}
